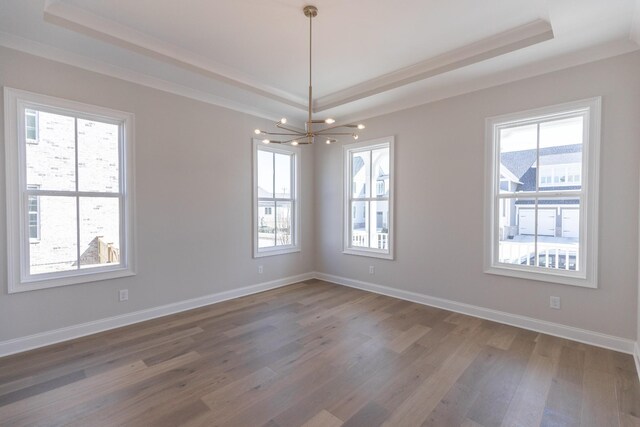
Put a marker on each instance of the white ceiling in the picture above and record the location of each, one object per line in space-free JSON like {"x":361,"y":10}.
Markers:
{"x":369,"y":57}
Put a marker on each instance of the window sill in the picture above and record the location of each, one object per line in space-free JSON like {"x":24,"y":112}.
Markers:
{"x":542,"y":276}
{"x":72,"y":279}
{"x":368,"y":253}
{"x":271,"y":252}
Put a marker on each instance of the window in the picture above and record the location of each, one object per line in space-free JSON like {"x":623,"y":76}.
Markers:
{"x":276,"y":219}
{"x":31,"y":126}
{"x":33,"y":213}
{"x":368,"y":217}
{"x":69,"y":196}
{"x":542,"y":166}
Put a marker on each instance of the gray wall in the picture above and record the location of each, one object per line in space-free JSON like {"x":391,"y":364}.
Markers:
{"x":193,"y":188}
{"x":440,"y":198}
{"x":193,"y":184}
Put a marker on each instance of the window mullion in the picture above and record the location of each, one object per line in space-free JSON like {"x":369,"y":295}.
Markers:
{"x":275,"y":202}
{"x":550,"y":195}
{"x":536,"y":207}
{"x":75,"y":123}
{"x":349,"y":233}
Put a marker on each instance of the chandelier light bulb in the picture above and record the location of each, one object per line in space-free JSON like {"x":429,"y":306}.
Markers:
{"x":328,"y":141}
{"x":294,"y":142}
{"x":355,"y":136}
{"x":330,"y":121}
{"x":266,"y":141}
{"x":283,"y":120}
{"x":361,"y":126}
{"x":257,"y":131}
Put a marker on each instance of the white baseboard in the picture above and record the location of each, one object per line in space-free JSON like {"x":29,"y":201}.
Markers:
{"x":30,"y":342}
{"x":42,"y":339}
{"x":569,"y":332}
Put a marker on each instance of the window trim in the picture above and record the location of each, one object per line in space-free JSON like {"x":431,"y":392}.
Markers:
{"x":15,"y":101}
{"x":295,"y":192}
{"x":589,"y":194}
{"x":346,"y":199}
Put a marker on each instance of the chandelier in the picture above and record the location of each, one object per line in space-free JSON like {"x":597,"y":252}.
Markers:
{"x":320,"y":129}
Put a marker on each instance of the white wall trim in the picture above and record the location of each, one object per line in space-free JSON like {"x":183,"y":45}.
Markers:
{"x":65,"y":57}
{"x":636,"y":357}
{"x":496,"y":45}
{"x":42,"y":339}
{"x":569,"y":332}
{"x":81,"y":21}
{"x":92,"y":25}
{"x":56,"y":54}
{"x":634,"y":34}
{"x":18,"y":345}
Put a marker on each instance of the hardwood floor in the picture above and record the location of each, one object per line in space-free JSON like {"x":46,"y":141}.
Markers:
{"x":317,"y":354}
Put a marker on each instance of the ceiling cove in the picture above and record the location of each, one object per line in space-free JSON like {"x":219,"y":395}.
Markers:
{"x":85,"y":22}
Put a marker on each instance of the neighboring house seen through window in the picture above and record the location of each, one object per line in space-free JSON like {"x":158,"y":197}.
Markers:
{"x":33,"y":211}
{"x":70,"y":194}
{"x":31,"y":126}
{"x":542,"y":179}
{"x":276,"y":172}
{"x":368,"y":220}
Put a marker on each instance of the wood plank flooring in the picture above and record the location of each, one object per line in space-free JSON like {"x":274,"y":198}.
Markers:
{"x":316,"y":354}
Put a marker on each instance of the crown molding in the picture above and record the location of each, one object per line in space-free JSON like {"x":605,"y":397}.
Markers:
{"x":425,"y":95}
{"x":634,"y":34}
{"x":508,"y":41}
{"x":89,"y":24}
{"x":65,"y":57}
{"x":356,"y":112}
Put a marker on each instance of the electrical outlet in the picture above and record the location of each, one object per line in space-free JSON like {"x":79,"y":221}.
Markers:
{"x":123,"y":294}
{"x":372,"y":270}
{"x":554,"y":302}
{"x":260,"y":269}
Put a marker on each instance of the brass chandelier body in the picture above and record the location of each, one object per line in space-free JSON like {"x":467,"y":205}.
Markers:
{"x":313,"y":128}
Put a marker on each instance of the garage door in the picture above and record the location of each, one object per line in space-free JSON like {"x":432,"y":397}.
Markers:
{"x":571,"y":223}
{"x":546,"y":222}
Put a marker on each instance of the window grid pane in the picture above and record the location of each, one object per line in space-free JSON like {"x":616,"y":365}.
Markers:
{"x":368,"y":215}
{"x":533,"y":229}
{"x":67,"y":163}
{"x":275,"y":199}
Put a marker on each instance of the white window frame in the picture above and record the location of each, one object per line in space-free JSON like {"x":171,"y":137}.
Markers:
{"x":295,"y":199}
{"x":18,"y":245}
{"x":347,"y":216}
{"x":587,"y":277}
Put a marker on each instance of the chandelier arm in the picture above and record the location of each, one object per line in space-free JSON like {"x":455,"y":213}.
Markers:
{"x":291,"y":140}
{"x":336,"y":127}
{"x":291,"y":129}
{"x":330,"y":130}
{"x":334,"y":134}
{"x":283,"y":134}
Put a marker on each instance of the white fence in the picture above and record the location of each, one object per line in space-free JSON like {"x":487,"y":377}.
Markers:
{"x":361,"y":239}
{"x":551,"y":255}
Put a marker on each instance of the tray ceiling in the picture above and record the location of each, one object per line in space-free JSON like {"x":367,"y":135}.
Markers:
{"x":369,"y":57}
